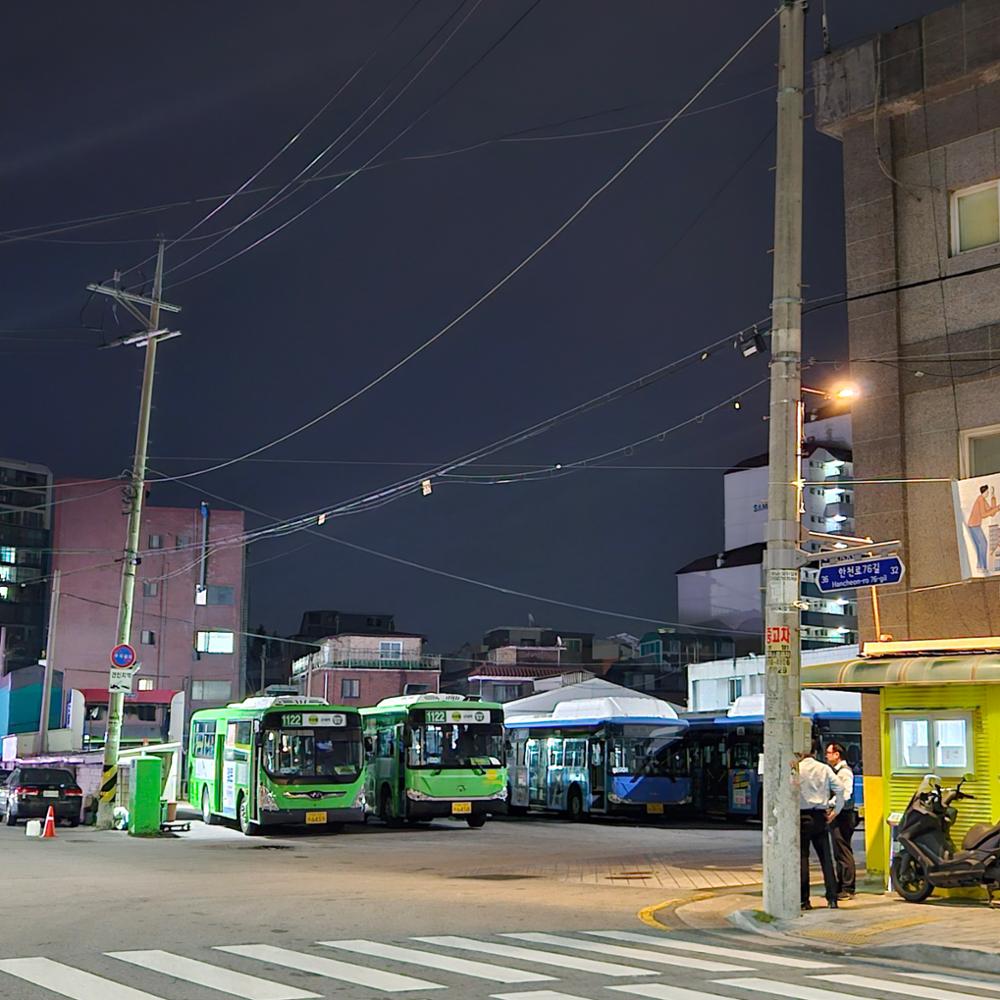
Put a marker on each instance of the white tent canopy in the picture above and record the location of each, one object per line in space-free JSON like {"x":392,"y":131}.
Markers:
{"x":591,"y":699}
{"x":814,"y":702}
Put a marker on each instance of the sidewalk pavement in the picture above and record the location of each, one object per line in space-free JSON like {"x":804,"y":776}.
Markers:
{"x":958,"y":933}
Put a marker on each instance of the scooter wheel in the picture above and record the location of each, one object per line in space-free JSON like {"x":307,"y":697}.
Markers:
{"x":909,"y":878}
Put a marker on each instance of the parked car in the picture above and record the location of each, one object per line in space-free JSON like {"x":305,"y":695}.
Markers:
{"x":29,"y":791}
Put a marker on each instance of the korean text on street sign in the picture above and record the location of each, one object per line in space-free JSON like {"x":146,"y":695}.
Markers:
{"x":121,"y":679}
{"x":880,"y":572}
{"x":122,"y":656}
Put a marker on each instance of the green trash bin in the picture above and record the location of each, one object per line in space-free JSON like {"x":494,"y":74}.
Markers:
{"x":144,"y":808}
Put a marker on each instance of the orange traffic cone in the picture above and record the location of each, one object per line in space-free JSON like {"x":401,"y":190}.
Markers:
{"x":50,"y":823}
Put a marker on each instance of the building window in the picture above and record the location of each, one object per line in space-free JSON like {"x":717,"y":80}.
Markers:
{"x":390,"y":649}
{"x":211,"y":691}
{"x":145,"y":683}
{"x":975,"y":217}
{"x":8,"y":554}
{"x":150,"y":588}
{"x":214,"y":642}
{"x":215,"y":595}
{"x":980,"y":451}
{"x":350,"y":689}
{"x":147,"y":637}
{"x":5,"y":593}
{"x":735,"y":688}
{"x":939,"y":741}
{"x":573,"y":645}
{"x":156,"y":541}
{"x":506,"y":692}
{"x":183,"y":541}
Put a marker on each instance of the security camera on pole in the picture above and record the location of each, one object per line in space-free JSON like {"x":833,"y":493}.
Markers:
{"x":783,"y":730}
{"x":122,"y":654}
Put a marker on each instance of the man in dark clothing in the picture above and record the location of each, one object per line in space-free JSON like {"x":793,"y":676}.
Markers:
{"x":843,"y":827}
{"x":820,"y":800}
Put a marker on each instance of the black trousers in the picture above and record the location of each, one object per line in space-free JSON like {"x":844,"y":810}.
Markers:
{"x":841,"y":831}
{"x":816,"y":832}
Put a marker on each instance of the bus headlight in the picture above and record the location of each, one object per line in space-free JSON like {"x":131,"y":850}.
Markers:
{"x":501,"y":795}
{"x":266,"y":799}
{"x":412,"y":793}
{"x":359,"y":799}
{"x":615,"y":799}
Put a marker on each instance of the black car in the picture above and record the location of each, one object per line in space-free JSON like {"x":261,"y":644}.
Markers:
{"x":29,"y":791}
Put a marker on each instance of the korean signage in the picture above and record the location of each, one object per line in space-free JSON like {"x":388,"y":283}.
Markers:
{"x":885,"y":570}
{"x":121,"y":680}
{"x":977,"y":520}
{"x":779,"y":649}
{"x":295,"y":720}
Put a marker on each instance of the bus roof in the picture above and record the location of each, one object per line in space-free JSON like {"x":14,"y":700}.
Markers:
{"x":253,"y":708}
{"x":403,"y":703}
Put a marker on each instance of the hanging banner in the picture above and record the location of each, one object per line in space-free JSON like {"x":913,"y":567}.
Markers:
{"x":977,"y":519}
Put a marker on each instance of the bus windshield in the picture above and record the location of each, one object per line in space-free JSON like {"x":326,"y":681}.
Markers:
{"x":652,"y":754}
{"x":457,"y":745}
{"x":323,"y":754}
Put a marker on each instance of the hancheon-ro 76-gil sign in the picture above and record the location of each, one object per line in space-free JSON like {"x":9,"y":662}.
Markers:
{"x":880,"y":572}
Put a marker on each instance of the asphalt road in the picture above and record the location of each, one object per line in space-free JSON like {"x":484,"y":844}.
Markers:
{"x":373,"y":911}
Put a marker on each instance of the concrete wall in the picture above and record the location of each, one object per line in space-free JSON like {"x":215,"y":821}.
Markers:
{"x":938,"y":129}
{"x":88,"y":538}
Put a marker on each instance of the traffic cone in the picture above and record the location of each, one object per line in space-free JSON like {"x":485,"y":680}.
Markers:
{"x":50,"y":823}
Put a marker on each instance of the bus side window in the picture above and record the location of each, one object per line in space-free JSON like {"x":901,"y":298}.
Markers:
{"x":596,"y":754}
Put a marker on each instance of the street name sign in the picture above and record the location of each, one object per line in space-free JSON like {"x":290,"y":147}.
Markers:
{"x":880,"y":572}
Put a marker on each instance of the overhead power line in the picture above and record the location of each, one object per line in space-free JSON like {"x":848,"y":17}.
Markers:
{"x":499,"y":284}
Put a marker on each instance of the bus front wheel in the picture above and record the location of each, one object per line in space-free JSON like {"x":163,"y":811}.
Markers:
{"x":247,"y":826}
{"x":207,"y":817}
{"x":476,"y":821}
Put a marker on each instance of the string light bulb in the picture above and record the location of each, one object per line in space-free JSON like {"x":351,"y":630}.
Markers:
{"x":737,"y":405}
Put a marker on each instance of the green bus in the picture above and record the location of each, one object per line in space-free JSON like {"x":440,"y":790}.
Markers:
{"x":275,"y":760}
{"x":432,"y":755}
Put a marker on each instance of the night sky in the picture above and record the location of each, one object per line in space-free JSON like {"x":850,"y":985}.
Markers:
{"x":121,"y":106}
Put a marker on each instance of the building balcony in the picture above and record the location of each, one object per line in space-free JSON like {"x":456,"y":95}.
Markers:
{"x":321,"y":662}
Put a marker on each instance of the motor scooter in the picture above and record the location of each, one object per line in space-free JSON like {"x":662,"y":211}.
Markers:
{"x":927,"y":858}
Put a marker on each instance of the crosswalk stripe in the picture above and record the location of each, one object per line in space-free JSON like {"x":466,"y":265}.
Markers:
{"x":534,"y":955}
{"x":907,"y":989}
{"x":536,"y":995}
{"x":639,"y":954}
{"x":664,"y":941}
{"x":239,"y":984}
{"x":348,"y":972}
{"x":795,"y":990}
{"x":479,"y":970}
{"x":660,"y":991}
{"x":70,"y":982}
{"x":928,"y":977}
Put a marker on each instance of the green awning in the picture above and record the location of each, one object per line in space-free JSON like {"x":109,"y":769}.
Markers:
{"x":972,"y":668}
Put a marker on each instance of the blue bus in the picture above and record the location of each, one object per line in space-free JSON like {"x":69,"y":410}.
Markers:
{"x":597,"y":762}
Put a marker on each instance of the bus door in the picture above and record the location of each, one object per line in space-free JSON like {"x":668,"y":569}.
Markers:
{"x":229,"y":772}
{"x":598,"y":771}
{"x":537,"y":765}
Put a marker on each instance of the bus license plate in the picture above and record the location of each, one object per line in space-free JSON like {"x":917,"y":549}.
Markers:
{"x":315,"y":817}
{"x":461,"y":808}
{"x":654,"y":807}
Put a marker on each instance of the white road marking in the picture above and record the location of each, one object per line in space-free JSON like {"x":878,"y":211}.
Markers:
{"x":347,"y":972}
{"x":239,"y":984}
{"x":639,"y":954}
{"x":659,"y":991}
{"x":666,"y":941}
{"x":795,"y":990}
{"x":479,"y":970}
{"x":70,"y":982}
{"x":533,"y":955}
{"x":536,"y":995}
{"x":907,"y":989}
{"x":928,"y":977}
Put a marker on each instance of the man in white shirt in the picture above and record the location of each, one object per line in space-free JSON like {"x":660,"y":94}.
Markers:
{"x":821,"y":798}
{"x":842,"y":828}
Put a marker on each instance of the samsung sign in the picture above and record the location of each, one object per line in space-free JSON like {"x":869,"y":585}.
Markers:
{"x":759,"y":506}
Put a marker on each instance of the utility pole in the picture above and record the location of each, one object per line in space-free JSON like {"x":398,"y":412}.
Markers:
{"x":149,"y":339}
{"x":783,"y":733}
{"x":50,"y":647}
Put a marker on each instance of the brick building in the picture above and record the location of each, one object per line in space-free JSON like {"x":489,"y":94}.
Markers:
{"x":189,"y":616}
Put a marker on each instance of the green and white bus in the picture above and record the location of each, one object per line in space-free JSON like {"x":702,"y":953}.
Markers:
{"x":432,"y":755}
{"x":273,"y":760}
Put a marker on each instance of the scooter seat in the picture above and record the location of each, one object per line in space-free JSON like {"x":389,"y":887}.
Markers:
{"x":979,"y":833}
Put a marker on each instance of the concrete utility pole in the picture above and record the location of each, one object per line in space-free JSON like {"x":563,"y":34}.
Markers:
{"x":782,"y":707}
{"x":50,"y":647}
{"x":148,"y":339}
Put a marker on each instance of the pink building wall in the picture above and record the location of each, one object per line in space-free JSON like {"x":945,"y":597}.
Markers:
{"x":373,"y":685}
{"x":88,"y":538}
